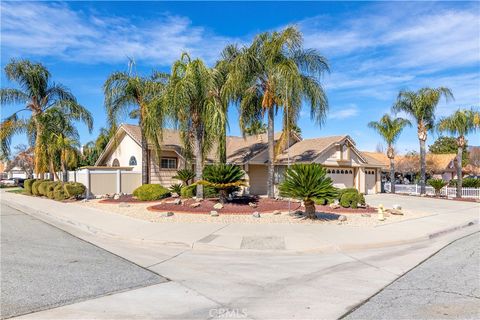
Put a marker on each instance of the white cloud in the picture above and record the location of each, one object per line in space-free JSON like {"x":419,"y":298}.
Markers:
{"x":55,"y":30}
{"x":343,"y":113}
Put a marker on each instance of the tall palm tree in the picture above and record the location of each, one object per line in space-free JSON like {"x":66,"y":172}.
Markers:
{"x":189,"y":96}
{"x":274,"y":72}
{"x":390,"y":130}
{"x":460,"y":124}
{"x":421,"y":106}
{"x":36,"y":94}
{"x":126,"y":92}
{"x":61,"y":139}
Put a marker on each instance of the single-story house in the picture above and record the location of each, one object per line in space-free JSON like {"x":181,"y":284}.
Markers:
{"x":438,"y":166}
{"x":345,"y":164}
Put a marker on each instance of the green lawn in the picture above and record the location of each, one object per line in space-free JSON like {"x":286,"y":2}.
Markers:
{"x":17,"y":190}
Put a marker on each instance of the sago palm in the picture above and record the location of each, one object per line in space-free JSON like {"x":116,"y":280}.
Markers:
{"x":421,"y":106}
{"x":36,"y":94}
{"x":185,"y":175}
{"x":275,"y":72}
{"x":307,"y":182}
{"x":125,"y":93}
{"x":223,"y":177}
{"x":390,"y":129}
{"x":460,"y":124}
{"x":188,"y":95}
{"x":437,"y":185}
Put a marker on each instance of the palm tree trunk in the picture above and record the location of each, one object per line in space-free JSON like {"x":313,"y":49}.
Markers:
{"x":392,"y":175}
{"x":222,"y":196}
{"x":198,"y":159}
{"x":271,"y":152}
{"x":310,"y":209}
{"x":37,"y":153}
{"x":459,"y":171}
{"x":222,"y":145}
{"x":64,"y":171}
{"x":145,"y":158}
{"x":422,"y":167}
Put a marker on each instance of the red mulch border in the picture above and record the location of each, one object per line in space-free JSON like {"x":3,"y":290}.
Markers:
{"x":263,"y":206}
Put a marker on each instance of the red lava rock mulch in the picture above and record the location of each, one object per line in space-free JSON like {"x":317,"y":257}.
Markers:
{"x":240,"y":206}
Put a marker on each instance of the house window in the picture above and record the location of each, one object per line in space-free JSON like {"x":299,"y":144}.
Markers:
{"x":168,"y":163}
{"x":132,"y":161}
{"x":115,"y":163}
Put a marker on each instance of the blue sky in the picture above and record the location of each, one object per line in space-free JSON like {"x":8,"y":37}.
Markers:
{"x":374,"y":49}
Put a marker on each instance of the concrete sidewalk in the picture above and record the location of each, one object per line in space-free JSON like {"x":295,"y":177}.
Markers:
{"x":445,"y":216}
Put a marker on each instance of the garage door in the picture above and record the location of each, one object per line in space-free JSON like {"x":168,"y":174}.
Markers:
{"x":342,"y":177}
{"x":257,"y":175}
{"x":370,"y":181}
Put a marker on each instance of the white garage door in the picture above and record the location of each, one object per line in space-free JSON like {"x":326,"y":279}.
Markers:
{"x":370,"y":181}
{"x":342,"y":177}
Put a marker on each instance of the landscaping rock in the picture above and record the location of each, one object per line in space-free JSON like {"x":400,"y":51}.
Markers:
{"x":116,"y":196}
{"x":395,"y":212}
{"x":256,"y":214}
{"x":195,"y":205}
{"x":218,"y":206}
{"x":252,"y":204}
{"x":214,"y":213}
{"x":177,"y":201}
{"x":342,"y":218}
{"x":334,"y":206}
{"x":167,"y":214}
{"x":174,"y":195}
{"x":397,"y":207}
{"x":123,"y":205}
{"x":276,"y":212}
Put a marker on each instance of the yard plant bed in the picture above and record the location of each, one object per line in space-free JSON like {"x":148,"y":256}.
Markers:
{"x":127,"y":198}
{"x":240,"y":206}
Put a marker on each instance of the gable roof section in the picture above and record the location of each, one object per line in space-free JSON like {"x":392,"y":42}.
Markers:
{"x":239,"y":149}
{"x":435,"y":162}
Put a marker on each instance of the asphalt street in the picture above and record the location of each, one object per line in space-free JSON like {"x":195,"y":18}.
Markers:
{"x":446,"y":286}
{"x":43,"y":267}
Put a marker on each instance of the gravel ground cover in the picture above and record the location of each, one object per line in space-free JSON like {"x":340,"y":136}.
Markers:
{"x":140,"y":211}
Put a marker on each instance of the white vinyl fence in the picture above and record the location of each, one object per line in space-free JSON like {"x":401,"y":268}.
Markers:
{"x":414,"y":189}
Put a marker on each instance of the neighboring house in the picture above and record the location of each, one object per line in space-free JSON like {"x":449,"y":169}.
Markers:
{"x":439,"y":166}
{"x":16,"y":172}
{"x":345,"y":164}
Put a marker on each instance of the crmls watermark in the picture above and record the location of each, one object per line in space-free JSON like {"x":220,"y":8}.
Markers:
{"x":225,"y":313}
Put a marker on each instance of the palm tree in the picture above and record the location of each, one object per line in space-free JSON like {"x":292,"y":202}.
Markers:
{"x":390,"y":130}
{"x":126,"y":92}
{"x":460,"y":124}
{"x":421,"y":106}
{"x":189,"y":96}
{"x":276,"y":72}
{"x":37,"y":94}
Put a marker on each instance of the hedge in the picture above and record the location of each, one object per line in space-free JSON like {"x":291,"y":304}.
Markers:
{"x":59,"y":192}
{"x":35,"y":186}
{"x":74,"y":189}
{"x":50,"y":188}
{"x":149,"y":192}
{"x":351,"y":198}
{"x":28,"y":185}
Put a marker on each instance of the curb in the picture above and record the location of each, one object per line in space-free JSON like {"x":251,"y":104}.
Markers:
{"x":69,"y":224}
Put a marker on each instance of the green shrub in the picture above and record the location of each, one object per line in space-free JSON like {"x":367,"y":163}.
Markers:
{"x":437,"y":184}
{"x":223,"y":178}
{"x":307,"y":182}
{"x":341,"y":192}
{"x":211,"y":192}
{"x":176,"y":187}
{"x":350,"y":200}
{"x":50,"y":188}
{"x":185,"y":175}
{"x":59,"y":192}
{"x":74,"y":189}
{"x":471,"y":183}
{"x":35,"y":186}
{"x":28,"y":185}
{"x":42,"y":187}
{"x":149,"y":192}
{"x":189,"y":191}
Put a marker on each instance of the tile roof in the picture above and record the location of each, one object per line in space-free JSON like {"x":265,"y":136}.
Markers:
{"x":308,"y":150}
{"x":435,"y":162}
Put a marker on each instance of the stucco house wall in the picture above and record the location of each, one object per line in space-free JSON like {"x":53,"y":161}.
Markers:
{"x":126,"y":148}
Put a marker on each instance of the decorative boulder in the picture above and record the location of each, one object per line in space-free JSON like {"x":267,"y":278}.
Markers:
{"x":256,"y":214}
{"x":177,"y":201}
{"x":195,"y":205}
{"x":218,"y":206}
{"x":167,"y":214}
{"x":116,"y":196}
{"x":395,"y":212}
{"x":252,"y":204}
{"x":334,"y":206}
{"x":397,"y":207}
{"x":342,"y":218}
{"x":276,"y":212}
{"x":214,"y":213}
{"x":175,"y":195}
